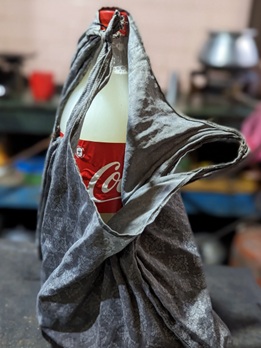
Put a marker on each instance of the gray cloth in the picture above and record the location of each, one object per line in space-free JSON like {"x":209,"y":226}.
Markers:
{"x":137,"y":281}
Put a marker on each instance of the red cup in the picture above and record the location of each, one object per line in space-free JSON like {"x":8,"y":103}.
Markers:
{"x":41,"y":85}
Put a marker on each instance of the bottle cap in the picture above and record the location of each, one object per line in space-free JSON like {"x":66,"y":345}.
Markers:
{"x":106,"y":15}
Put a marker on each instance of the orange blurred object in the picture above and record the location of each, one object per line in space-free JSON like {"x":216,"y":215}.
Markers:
{"x":41,"y":85}
{"x":246,"y":250}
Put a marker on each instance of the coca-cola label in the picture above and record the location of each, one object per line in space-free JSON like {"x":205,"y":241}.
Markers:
{"x":101,"y":166}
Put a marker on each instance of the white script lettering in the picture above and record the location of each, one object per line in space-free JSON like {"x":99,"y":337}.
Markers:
{"x":112,"y":181}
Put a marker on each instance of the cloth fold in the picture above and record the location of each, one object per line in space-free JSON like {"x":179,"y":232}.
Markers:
{"x":137,"y":281}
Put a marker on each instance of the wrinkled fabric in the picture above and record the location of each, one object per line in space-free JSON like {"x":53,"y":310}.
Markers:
{"x":138,"y":280}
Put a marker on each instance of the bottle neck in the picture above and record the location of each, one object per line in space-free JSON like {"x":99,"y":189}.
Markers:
{"x":119,"y":53}
{"x":119,"y":40}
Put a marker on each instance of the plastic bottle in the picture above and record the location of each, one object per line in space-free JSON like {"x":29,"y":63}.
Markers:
{"x":101,"y":147}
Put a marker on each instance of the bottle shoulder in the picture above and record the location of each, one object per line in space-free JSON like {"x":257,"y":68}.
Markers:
{"x":106,"y":119}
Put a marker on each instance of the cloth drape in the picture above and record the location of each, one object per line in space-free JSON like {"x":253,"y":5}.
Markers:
{"x":138,"y":280}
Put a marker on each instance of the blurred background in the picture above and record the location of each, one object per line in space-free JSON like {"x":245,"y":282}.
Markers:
{"x":172,"y":31}
{"x":206,"y":57}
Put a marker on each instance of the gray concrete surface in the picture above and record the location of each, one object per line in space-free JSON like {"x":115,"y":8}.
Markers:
{"x":19,"y":284}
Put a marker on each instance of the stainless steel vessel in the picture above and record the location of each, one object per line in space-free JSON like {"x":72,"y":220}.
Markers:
{"x":230,"y":50}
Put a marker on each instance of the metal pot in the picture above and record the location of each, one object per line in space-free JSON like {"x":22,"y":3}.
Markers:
{"x":230,"y":50}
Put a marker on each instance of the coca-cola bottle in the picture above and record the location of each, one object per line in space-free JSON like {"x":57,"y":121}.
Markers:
{"x":101,"y":147}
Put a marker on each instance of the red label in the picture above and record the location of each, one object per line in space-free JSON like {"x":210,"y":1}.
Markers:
{"x":101,"y":166}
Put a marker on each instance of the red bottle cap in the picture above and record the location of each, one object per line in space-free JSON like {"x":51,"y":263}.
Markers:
{"x":106,"y":15}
